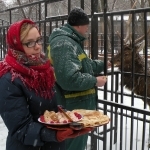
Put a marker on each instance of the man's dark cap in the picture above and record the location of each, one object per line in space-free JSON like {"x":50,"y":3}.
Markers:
{"x":78,"y":17}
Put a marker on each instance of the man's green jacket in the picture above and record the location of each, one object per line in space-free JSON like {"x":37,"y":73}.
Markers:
{"x":75,"y":72}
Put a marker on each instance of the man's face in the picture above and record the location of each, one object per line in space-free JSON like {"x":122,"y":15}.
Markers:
{"x":83,"y":29}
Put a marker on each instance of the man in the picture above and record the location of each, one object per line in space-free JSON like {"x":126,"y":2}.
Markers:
{"x":75,"y":72}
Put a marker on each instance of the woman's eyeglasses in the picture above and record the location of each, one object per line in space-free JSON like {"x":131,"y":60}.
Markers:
{"x":30,"y":44}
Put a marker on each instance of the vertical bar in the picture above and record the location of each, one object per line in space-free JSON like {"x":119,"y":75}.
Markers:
{"x":39,"y":14}
{"x":116,"y":109}
{"x":133,"y":74}
{"x":45,"y":48}
{"x":105,"y":35}
{"x":105,"y":67}
{"x":122,"y":53}
{"x":62,"y":22}
{"x":146,"y":58}
{"x":50,"y":25}
{"x":126,"y":134}
{"x":82,"y":4}
{"x":137,"y":126}
{"x":112,"y":80}
{"x":39,"y":11}
{"x":121,"y":128}
{"x":145,"y":94}
{"x":122,"y":47}
{"x":144,"y":129}
{"x":131,"y":135}
{"x":94,"y":52}
{"x":69,"y":6}
{"x":133,"y":56}
{"x":10,"y":19}
{"x":94,"y":30}
{"x":122,"y":80}
{"x":4,"y":43}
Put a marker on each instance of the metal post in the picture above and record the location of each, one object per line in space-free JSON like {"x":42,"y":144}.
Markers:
{"x":105,"y":69}
{"x":94,"y":53}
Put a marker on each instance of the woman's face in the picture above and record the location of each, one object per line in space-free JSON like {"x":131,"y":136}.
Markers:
{"x":32,"y":43}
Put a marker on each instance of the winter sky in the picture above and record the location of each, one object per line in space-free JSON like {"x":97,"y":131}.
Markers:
{"x":8,"y":2}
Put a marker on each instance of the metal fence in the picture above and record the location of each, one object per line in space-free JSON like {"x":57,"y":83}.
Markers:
{"x":129,"y":115}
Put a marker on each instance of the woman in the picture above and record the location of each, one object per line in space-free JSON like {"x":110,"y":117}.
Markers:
{"x":26,"y":87}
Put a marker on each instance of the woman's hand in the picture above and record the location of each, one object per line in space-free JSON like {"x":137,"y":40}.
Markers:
{"x":70,"y":133}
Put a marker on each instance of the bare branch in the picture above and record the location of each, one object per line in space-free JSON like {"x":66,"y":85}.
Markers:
{"x":142,"y":37}
{"x":119,"y":35}
{"x":113,"y":6}
{"x":127,"y":38}
{"x":23,"y":13}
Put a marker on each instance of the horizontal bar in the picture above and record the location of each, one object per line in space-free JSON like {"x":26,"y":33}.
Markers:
{"x":131,"y":108}
{"x":57,"y":18}
{"x":125,"y":115}
{"x":139,"y":10}
{"x":30,"y":4}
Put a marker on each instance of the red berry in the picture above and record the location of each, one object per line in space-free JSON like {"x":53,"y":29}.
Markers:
{"x":42,"y":118}
{"x":64,"y":121}
{"x":75,"y":113}
{"x":79,"y":116}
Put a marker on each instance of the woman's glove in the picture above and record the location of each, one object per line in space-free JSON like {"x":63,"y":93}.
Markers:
{"x":69,"y":133}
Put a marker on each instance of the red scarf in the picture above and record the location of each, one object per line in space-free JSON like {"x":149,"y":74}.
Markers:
{"x":36,"y":74}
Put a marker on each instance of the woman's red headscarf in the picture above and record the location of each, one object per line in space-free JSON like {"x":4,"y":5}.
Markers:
{"x":35,"y":76}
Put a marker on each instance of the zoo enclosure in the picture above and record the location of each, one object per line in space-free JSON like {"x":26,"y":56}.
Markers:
{"x":111,"y":98}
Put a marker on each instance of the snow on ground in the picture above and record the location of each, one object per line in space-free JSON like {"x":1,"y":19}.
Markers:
{"x":125,"y":129}
{"x":3,"y":134}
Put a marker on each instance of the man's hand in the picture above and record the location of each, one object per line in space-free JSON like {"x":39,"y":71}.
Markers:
{"x":101,"y":80}
{"x":108,"y":64}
